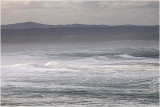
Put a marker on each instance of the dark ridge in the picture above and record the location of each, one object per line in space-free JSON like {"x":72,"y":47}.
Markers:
{"x":28,"y":25}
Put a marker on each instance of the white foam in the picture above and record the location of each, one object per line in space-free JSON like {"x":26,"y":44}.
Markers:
{"x":51,"y":63}
{"x":129,"y":56}
{"x":20,"y":65}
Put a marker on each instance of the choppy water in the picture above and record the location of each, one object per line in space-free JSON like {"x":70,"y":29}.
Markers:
{"x":80,"y":77}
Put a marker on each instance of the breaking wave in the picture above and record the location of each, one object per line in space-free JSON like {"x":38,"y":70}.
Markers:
{"x":129,"y":56}
{"x":125,"y":75}
{"x":124,"y":53}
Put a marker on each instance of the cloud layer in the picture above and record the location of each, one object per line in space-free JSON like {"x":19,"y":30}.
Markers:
{"x":84,"y":12}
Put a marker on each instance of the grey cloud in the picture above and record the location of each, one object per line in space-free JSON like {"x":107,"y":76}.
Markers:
{"x":87,"y":12}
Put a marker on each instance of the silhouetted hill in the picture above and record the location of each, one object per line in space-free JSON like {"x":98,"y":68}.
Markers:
{"x":25,"y":25}
{"x":28,"y":25}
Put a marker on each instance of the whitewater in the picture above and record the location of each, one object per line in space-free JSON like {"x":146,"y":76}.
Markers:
{"x":122,"y":77}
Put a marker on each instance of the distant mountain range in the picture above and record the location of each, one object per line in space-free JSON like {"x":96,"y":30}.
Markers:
{"x":31,"y":32}
{"x":28,"y":25}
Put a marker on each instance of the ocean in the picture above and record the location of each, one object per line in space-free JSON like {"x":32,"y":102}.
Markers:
{"x":75,"y":76}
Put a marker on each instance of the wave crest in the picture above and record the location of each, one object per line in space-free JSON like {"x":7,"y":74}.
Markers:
{"x":129,"y":56}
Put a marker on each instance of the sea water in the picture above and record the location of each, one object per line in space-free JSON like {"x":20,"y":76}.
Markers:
{"x":79,"y":76}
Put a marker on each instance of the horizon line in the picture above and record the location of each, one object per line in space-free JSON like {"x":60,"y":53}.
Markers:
{"x":79,"y":24}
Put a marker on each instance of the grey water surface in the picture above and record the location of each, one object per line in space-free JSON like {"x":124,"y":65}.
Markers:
{"x":80,"y":75}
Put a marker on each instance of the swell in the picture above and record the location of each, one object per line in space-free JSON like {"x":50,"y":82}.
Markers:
{"x":142,"y":52}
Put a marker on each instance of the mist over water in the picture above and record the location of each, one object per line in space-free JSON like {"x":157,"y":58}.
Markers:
{"x":115,"y":73}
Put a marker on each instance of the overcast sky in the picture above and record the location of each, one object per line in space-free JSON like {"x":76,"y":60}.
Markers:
{"x":82,"y":12}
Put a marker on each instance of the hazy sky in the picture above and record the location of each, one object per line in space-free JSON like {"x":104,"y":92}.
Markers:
{"x":83,"y":12}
